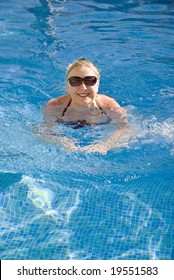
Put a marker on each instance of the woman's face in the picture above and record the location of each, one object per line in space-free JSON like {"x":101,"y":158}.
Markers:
{"x":82,"y":95}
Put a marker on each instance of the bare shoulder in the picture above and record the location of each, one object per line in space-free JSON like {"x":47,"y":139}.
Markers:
{"x":55,"y":107}
{"x":107,"y":102}
{"x":58,"y":101}
{"x":112,"y":108}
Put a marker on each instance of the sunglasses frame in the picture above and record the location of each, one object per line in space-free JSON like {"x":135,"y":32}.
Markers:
{"x":86,"y":81}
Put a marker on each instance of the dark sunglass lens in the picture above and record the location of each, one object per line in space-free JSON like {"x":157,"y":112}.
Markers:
{"x":90,"y":81}
{"x":75,"y":81}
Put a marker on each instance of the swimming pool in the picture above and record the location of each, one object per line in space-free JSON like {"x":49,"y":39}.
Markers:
{"x":59,"y":205}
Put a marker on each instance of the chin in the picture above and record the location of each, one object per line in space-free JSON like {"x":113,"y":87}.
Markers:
{"x":87,"y":100}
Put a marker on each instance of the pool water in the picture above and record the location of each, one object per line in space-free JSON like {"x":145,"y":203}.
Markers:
{"x":60,"y":205}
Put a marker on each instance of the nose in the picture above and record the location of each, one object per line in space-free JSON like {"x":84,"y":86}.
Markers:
{"x":83,"y":86}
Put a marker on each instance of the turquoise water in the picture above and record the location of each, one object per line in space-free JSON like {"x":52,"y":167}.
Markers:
{"x":60,"y":205}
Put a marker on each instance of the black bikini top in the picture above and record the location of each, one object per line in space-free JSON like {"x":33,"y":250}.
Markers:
{"x":81,"y":123}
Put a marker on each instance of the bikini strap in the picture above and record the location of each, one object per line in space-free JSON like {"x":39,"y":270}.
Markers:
{"x":100,"y":108}
{"x":64,"y":111}
{"x":103,"y":112}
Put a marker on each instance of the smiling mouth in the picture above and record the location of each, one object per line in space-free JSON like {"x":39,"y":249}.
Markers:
{"x":83,"y":94}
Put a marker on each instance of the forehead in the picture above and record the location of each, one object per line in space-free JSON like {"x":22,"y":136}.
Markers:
{"x":82,"y":71}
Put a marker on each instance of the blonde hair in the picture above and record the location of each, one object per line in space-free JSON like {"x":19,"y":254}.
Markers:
{"x":82,"y":62}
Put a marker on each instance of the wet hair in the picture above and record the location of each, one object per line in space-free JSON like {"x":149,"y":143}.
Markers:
{"x":82,"y":62}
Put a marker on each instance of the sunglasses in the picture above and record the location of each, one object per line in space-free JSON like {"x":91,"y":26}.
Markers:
{"x":77,"y":81}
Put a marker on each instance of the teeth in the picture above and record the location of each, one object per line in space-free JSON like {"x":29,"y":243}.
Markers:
{"x":83,"y":94}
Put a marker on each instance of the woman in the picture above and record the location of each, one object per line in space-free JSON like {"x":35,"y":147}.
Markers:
{"x":82,"y":105}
